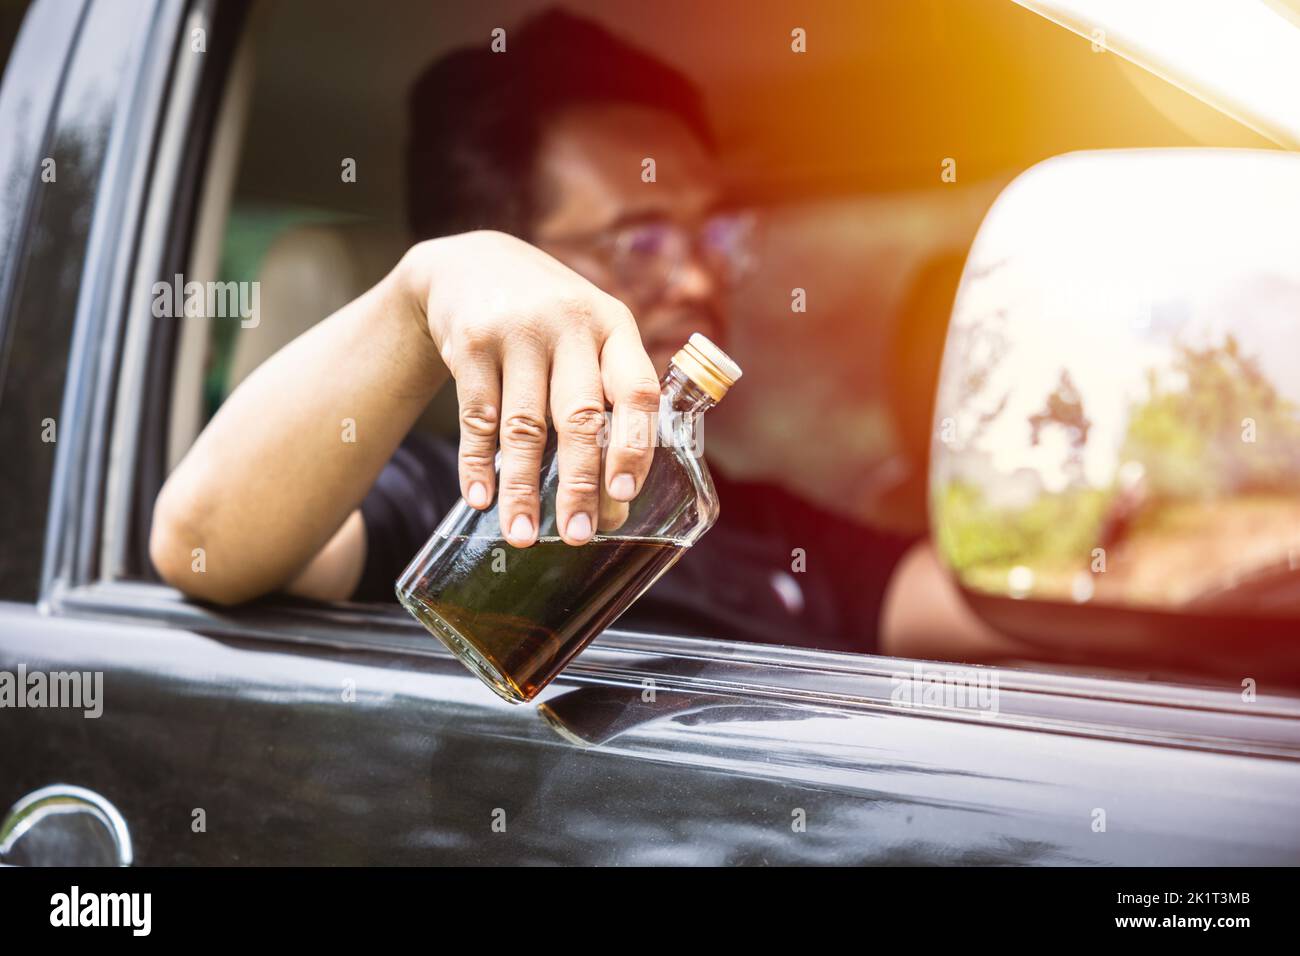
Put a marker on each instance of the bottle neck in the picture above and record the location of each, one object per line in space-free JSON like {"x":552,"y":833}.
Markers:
{"x":680,"y":393}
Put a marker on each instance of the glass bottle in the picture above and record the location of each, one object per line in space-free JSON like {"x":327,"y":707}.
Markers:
{"x":517,"y":616}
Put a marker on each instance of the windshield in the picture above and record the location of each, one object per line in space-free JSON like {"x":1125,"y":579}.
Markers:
{"x":1240,"y":56}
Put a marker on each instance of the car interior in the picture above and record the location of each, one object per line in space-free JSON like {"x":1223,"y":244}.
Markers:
{"x":869,"y":200}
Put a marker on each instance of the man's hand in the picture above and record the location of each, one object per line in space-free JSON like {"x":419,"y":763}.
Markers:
{"x":524,"y":335}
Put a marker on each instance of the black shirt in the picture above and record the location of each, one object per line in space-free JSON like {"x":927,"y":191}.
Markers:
{"x":743,"y":580}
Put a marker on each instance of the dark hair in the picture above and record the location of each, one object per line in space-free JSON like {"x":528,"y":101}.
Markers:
{"x":477,"y":117}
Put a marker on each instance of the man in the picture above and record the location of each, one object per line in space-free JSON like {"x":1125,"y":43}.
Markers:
{"x":547,"y":143}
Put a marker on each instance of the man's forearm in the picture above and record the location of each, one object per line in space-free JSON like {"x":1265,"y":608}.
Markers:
{"x":295,"y":448}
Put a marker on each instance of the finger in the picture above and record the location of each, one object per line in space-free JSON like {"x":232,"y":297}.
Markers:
{"x":578,"y":412}
{"x":629,"y":380}
{"x":478,"y":392}
{"x":523,"y":439}
{"x":612,"y":513}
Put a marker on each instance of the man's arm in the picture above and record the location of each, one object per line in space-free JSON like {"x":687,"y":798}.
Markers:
{"x":272,"y":478}
{"x":925,"y":617}
{"x":270,"y":490}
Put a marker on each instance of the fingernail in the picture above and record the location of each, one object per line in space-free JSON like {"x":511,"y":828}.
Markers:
{"x":623,"y":487}
{"x":521,"y":529}
{"x":580,"y":526}
{"x":478,"y":495}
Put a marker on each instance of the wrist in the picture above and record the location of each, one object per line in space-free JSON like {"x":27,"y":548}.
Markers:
{"x":411,"y":279}
{"x":406,"y":290}
{"x":416,"y":274}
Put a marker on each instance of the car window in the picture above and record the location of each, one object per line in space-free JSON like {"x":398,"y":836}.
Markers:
{"x":868,"y":201}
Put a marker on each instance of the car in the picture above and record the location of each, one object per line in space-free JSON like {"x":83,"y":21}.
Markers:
{"x":292,"y":732}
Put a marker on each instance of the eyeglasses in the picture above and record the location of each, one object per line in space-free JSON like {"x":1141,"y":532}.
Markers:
{"x":648,"y":257}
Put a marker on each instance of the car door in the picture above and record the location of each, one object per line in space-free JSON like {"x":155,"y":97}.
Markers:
{"x":289,"y":732}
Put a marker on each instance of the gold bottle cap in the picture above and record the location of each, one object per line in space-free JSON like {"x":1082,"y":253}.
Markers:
{"x":707,"y":366}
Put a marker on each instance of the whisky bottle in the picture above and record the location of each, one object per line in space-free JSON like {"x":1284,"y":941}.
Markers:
{"x":516,"y":617}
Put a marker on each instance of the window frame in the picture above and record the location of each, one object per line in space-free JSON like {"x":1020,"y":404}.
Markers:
{"x":47,"y":250}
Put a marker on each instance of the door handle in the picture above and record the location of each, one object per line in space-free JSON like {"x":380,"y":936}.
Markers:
{"x":64,"y":825}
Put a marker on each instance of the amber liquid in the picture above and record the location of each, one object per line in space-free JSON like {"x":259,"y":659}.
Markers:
{"x":517,"y":616}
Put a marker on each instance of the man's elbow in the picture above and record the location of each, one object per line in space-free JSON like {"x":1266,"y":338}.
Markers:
{"x":179,"y":550}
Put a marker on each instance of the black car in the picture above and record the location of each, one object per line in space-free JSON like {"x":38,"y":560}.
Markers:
{"x":295,"y":732}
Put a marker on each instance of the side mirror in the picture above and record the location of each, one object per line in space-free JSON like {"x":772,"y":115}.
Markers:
{"x":1116,"y":461}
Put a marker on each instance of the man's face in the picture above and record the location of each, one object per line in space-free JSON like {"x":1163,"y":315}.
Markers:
{"x":631,"y":237}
